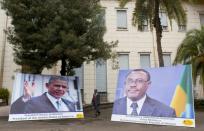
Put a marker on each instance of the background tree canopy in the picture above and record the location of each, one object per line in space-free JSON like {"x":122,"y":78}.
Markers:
{"x":191,"y":51}
{"x":46,"y":31}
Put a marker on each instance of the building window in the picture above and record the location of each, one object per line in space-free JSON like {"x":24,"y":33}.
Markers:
{"x":123,"y":61}
{"x":182,"y":28}
{"x":202,"y":19}
{"x":143,"y":26}
{"x":102,"y":17}
{"x":101,"y":75}
{"x":79,"y":74}
{"x":145,"y":60}
{"x":167,"y":59}
{"x":163,"y":20}
{"x":121,"y":19}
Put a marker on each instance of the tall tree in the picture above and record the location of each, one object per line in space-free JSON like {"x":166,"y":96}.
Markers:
{"x":191,"y":51}
{"x":46,"y":31}
{"x":148,"y":11}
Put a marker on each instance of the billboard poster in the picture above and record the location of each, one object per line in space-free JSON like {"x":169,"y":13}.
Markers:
{"x":161,"y":96}
{"x":39,"y":97}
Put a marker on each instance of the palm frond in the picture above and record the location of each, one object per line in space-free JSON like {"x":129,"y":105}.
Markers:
{"x":174,"y":10}
{"x":144,"y":11}
{"x":123,"y":2}
{"x":191,"y":51}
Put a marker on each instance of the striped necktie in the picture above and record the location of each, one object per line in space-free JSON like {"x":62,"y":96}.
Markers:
{"x":134,"y":107}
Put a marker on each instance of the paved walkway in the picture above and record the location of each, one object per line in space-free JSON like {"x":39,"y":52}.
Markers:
{"x":4,"y":110}
{"x":90,"y":123}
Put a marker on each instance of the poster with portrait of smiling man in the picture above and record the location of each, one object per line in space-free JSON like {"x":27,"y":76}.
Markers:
{"x":161,"y":96}
{"x":38,"y":97}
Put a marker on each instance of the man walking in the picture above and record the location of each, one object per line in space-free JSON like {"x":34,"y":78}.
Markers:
{"x":96,"y":102}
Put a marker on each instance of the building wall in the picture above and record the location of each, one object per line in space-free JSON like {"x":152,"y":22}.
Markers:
{"x":2,"y":42}
{"x":7,"y":65}
{"x":131,"y":42}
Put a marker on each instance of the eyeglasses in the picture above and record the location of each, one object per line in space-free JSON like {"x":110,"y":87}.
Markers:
{"x":136,"y":81}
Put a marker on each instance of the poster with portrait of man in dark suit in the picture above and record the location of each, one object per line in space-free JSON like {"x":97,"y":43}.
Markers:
{"x":37,"y":97}
{"x":160,"y":96}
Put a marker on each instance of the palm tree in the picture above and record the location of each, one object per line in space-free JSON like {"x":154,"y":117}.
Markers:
{"x":191,"y":51}
{"x":148,"y":11}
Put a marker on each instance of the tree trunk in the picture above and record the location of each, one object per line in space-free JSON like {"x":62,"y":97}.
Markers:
{"x":63,"y":67}
{"x":158,"y":27}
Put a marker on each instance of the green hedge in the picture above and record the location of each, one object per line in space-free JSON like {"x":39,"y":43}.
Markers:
{"x":4,"y":94}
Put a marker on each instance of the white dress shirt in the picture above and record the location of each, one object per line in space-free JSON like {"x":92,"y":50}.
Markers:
{"x":139,"y":103}
{"x":61,"y":107}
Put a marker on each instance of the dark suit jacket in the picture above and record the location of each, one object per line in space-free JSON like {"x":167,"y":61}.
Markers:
{"x":40,"y":104}
{"x":151,"y":107}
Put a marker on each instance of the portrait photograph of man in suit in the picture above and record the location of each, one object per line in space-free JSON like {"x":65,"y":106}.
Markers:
{"x":51,"y":98}
{"x":136,"y":101}
{"x":161,"y":96}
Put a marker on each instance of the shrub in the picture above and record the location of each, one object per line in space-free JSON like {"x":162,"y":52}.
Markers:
{"x":4,"y":94}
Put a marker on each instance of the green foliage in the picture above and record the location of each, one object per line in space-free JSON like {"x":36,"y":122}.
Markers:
{"x":4,"y":94}
{"x":191,"y":51}
{"x":195,"y":1}
{"x":145,"y":10}
{"x":45,"y":31}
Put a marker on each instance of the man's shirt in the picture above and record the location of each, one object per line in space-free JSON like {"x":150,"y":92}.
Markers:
{"x":139,"y":103}
{"x":61,"y":107}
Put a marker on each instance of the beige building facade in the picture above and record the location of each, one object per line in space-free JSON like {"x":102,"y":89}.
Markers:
{"x":136,"y":49}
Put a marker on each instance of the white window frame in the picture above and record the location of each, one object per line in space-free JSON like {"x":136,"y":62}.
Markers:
{"x":80,"y":76}
{"x":103,"y":14}
{"x":120,"y":54}
{"x":201,"y":14}
{"x":145,"y":54}
{"x":163,"y":15}
{"x":167,"y":54}
{"x":104,"y":63}
{"x":120,"y":26}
